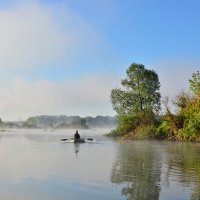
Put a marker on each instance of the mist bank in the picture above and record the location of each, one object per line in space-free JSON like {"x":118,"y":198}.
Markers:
{"x":62,"y":122}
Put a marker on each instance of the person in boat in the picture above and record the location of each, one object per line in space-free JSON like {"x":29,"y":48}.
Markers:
{"x":77,"y":136}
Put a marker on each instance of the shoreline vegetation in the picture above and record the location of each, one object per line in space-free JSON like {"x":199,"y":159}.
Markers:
{"x":139,"y":113}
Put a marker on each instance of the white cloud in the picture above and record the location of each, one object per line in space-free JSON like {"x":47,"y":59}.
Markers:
{"x":28,"y":37}
{"x":88,"y":96}
{"x":34,"y":35}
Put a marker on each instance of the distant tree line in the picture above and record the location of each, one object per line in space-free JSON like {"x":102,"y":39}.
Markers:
{"x":62,"y":122}
{"x":138,"y":108}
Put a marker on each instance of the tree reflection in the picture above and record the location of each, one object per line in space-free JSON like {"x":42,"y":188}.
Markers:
{"x":196,"y":193}
{"x":185,"y":159}
{"x":137,"y":170}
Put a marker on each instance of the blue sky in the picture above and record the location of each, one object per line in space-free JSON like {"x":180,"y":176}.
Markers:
{"x":64,"y":56}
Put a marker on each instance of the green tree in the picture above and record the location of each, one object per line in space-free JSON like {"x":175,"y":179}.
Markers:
{"x":137,"y":103}
{"x":140,"y":91}
{"x":185,"y":124}
{"x":195,"y":83}
{"x":190,"y":113}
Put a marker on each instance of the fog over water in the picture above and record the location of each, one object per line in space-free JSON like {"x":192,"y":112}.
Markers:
{"x":36,"y":165}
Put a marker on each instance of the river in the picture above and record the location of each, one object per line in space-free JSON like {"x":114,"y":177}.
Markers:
{"x":34,"y":164}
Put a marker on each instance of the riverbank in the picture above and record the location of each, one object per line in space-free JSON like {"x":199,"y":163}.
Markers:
{"x":146,"y":136}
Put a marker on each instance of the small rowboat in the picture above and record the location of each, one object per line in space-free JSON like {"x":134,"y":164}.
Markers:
{"x":81,"y":140}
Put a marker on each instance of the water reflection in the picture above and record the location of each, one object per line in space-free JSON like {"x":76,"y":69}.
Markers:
{"x":156,"y":170}
{"x":183,"y":163}
{"x":76,"y":148}
{"x":137,"y":170}
{"x":37,"y":164}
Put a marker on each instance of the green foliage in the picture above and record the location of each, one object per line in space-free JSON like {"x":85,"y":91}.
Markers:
{"x":185,"y":125}
{"x":115,"y":133}
{"x":140,"y":91}
{"x":162,"y":130}
{"x":191,"y":126}
{"x":137,"y":103}
{"x":195,"y":83}
{"x":140,"y":125}
{"x":145,"y":131}
{"x":127,"y":123}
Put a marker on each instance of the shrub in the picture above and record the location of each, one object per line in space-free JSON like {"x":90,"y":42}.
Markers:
{"x":191,"y":128}
{"x":114,"y":133}
{"x":145,"y":132}
{"x":162,"y":130}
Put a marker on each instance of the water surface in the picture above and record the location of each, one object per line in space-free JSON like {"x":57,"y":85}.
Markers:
{"x":34,"y":164}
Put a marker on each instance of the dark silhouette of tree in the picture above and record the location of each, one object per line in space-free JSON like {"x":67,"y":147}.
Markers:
{"x":137,"y":171}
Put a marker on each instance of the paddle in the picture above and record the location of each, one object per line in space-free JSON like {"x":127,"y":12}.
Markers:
{"x":64,"y":139}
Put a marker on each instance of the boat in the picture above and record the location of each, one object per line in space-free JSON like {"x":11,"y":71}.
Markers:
{"x":81,"y":140}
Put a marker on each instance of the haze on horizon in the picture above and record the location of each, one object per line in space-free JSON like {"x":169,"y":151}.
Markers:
{"x":64,"y":57}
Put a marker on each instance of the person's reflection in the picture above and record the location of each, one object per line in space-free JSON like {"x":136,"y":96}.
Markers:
{"x":76,"y":148}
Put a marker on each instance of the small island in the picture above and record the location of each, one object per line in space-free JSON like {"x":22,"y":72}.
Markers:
{"x":138,"y":106}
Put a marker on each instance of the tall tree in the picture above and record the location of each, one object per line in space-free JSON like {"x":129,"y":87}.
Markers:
{"x":140,"y":91}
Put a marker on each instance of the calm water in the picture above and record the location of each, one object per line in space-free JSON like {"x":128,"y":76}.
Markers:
{"x":35,"y":165}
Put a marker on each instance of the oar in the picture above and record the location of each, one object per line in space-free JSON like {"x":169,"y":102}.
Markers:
{"x":90,"y":139}
{"x":65,"y":139}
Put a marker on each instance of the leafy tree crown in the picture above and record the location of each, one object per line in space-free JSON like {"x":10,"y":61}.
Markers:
{"x":140,"y":91}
